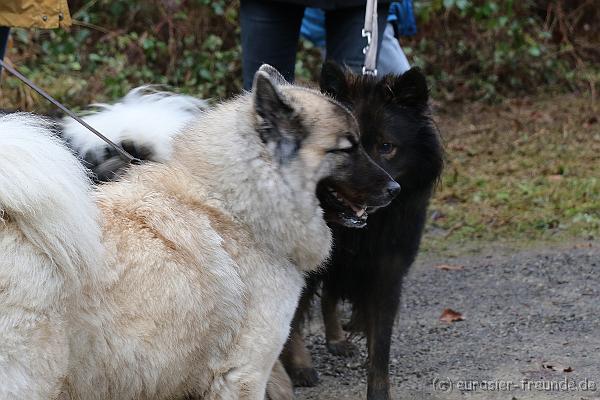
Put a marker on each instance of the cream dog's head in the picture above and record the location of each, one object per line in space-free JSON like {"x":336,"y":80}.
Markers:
{"x":316,"y":142}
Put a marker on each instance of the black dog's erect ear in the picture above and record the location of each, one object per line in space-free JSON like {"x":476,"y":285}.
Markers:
{"x":279,"y":125}
{"x":410,"y":88}
{"x":333,"y":80}
{"x":273,"y":74}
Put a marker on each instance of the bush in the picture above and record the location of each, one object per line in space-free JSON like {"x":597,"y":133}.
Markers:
{"x":118,"y":44}
{"x":471,"y":49}
{"x":482,"y":49}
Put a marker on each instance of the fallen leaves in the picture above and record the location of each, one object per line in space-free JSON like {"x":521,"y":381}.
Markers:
{"x":449,"y":267}
{"x":449,"y":316}
{"x":557,"y":368}
{"x":555,"y":178}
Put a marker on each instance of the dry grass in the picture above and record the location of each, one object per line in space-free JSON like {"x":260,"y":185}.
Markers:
{"x":525,"y":171}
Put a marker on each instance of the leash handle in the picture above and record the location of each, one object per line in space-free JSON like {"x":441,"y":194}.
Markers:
{"x":70,"y":113}
{"x":371,"y":32}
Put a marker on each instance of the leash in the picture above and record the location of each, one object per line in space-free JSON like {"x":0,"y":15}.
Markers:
{"x":371,"y":32}
{"x":70,"y":113}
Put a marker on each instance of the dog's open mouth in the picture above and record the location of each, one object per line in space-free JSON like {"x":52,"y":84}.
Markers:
{"x":339,"y":208}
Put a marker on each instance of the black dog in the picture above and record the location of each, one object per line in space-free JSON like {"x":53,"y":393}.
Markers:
{"x":368,"y":265}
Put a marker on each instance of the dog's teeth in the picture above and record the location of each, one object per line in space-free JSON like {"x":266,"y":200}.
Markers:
{"x":360,"y":213}
{"x":357,"y":210}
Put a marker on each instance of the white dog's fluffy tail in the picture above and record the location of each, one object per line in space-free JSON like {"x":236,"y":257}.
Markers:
{"x":45,"y":190}
{"x":144,"y":122}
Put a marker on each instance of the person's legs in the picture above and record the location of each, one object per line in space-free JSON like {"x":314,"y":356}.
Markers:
{"x":344,"y":40}
{"x":392,"y":59}
{"x":270,"y":32}
{"x":4,"y":31}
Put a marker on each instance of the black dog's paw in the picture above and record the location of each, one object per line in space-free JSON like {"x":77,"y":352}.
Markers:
{"x":381,"y":394}
{"x":342,"y":348}
{"x":304,"y":377}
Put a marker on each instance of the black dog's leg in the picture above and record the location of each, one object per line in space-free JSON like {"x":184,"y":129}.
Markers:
{"x":295,"y":356}
{"x":334,"y":334}
{"x":382,"y":305}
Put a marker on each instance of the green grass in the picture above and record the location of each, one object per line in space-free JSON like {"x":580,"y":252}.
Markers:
{"x":525,"y":171}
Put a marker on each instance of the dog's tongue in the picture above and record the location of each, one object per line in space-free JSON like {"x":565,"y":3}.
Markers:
{"x":359,"y":211}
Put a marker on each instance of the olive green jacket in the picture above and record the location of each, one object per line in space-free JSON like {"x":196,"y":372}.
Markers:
{"x":45,"y":14}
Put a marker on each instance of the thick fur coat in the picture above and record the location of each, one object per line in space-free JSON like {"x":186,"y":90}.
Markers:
{"x":144,"y":122}
{"x":181,"y":278}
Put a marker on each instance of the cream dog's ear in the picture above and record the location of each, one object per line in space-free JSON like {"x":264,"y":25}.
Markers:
{"x":278,"y":124}
{"x":273,"y":74}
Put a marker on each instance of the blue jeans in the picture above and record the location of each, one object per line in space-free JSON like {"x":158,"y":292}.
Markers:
{"x":392,"y":59}
{"x":270,"y":32}
{"x":4,"y":31}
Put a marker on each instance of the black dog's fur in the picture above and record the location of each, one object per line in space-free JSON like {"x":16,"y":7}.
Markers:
{"x":368,"y":265}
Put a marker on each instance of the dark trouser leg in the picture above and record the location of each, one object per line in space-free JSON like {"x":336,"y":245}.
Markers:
{"x":270,"y":32}
{"x":382,"y":308}
{"x":4,"y":31}
{"x":344,"y":40}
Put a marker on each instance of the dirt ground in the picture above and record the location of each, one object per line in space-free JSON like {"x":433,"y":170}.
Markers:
{"x":530,"y":331}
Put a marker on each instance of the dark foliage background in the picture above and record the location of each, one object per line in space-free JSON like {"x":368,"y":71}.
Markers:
{"x":470,"y":49}
{"x":485,"y":49}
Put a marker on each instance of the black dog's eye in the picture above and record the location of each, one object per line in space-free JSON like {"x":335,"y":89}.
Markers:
{"x":386,"y":149}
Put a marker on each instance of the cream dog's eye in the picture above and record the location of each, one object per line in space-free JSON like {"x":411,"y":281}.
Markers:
{"x":345,"y":144}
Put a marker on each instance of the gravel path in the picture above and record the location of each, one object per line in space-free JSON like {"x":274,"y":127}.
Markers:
{"x":531,"y":330}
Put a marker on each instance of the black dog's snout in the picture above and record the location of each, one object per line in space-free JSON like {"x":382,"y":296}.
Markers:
{"x":393,"y":188}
